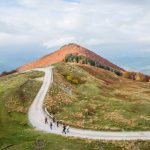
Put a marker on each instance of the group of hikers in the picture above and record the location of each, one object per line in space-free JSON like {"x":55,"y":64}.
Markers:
{"x":65,"y":127}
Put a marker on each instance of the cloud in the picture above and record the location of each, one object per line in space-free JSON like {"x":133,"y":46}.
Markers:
{"x":11,"y":39}
{"x":56,"y":22}
{"x":59,"y":41}
{"x":29,"y":2}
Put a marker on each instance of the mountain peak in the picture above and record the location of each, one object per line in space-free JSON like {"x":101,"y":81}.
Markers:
{"x":75,"y":49}
{"x":70,"y":45}
{"x":60,"y":54}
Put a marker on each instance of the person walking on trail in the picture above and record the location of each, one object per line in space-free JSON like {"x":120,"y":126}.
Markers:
{"x":46,"y":121}
{"x":51,"y":125}
{"x":67,"y":129}
{"x":53,"y":119}
{"x":57,"y":124}
{"x":64,"y":129}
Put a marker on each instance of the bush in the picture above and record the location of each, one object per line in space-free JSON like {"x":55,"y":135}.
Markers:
{"x":117,"y":72}
{"x":90,"y":109}
{"x":75,"y":81}
{"x":72,"y":79}
{"x":69,"y":78}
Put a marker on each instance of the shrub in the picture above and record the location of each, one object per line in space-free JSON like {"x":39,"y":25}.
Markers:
{"x":69,"y":78}
{"x":72,"y":79}
{"x":90,"y":109}
{"x":75,"y":81}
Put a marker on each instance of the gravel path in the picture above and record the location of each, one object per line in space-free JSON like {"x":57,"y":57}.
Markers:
{"x":37,"y":116}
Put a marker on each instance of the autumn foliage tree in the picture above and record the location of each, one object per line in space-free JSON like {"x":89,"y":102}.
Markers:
{"x":136,"y":76}
{"x":126,"y":75}
{"x":141,"y":77}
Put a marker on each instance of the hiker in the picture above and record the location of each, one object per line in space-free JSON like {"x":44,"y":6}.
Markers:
{"x":51,"y":125}
{"x":46,"y":121}
{"x":64,"y":129}
{"x":57,"y":123}
{"x":53,"y":119}
{"x":67,"y":129}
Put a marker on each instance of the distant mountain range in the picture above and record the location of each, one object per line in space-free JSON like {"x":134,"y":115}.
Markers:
{"x":4,"y":67}
{"x":132,"y":63}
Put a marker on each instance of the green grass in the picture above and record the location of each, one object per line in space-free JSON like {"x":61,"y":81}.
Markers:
{"x":56,"y":64}
{"x":16,"y":92}
{"x":100,"y":101}
{"x":17,"y":134}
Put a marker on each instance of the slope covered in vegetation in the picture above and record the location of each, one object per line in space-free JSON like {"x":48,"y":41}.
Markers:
{"x":83,"y":60}
{"x":89,"y":97}
{"x":75,"y":58}
{"x":16,"y":94}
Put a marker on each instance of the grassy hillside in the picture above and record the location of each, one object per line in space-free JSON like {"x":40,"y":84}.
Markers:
{"x":92,"y":98}
{"x":16,"y":95}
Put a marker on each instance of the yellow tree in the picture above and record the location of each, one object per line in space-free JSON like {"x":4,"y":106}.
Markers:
{"x":138,"y":77}
{"x":126,"y":74}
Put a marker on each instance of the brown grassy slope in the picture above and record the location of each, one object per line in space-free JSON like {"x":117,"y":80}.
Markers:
{"x":58,"y":56}
{"x":127,"y":86}
{"x":107,"y":76}
{"x":100,"y":100}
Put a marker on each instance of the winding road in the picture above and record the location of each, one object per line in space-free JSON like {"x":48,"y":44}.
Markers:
{"x":37,"y":116}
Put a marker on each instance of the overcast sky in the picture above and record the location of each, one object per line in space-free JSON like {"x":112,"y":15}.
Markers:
{"x":111,"y":26}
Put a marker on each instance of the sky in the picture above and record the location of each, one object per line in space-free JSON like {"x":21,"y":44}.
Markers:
{"x":119,"y":30}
